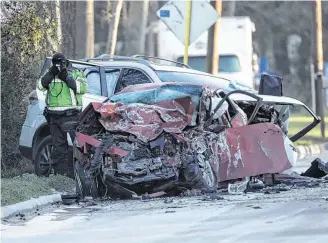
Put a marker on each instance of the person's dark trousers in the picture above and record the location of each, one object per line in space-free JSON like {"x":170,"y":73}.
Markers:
{"x":61,"y":123}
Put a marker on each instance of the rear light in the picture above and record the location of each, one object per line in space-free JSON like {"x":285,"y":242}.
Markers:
{"x":33,"y":97}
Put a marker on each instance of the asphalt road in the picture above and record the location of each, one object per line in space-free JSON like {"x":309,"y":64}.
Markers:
{"x":299,"y":215}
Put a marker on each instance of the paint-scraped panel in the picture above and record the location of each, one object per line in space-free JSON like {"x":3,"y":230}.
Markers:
{"x":252,"y":150}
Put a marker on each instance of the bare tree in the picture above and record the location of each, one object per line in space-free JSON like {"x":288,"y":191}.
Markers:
{"x":79,"y":29}
{"x":109,"y":13}
{"x":90,"y":33}
{"x":143,"y":26}
{"x":59,"y":27}
{"x":115,"y":27}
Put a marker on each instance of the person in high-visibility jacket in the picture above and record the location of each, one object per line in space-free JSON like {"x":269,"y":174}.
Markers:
{"x":64,"y":87}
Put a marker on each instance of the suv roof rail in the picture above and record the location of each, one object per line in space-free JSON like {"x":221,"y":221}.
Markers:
{"x":106,"y":57}
{"x":162,"y":59}
{"x":81,"y":62}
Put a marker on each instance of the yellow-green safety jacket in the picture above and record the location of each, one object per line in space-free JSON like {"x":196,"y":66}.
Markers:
{"x":59,"y":96}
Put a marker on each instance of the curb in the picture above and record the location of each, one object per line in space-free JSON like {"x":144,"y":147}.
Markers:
{"x":9,"y":210}
{"x":306,"y":150}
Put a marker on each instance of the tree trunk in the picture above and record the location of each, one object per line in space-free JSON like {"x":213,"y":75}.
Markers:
{"x":143,"y":27}
{"x":109,"y":10}
{"x":113,"y":33}
{"x":90,"y":33}
{"x":80,"y":27}
{"x":67,"y":9}
{"x":59,"y":27}
{"x":133,"y":28}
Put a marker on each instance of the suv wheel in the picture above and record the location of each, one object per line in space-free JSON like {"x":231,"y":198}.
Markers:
{"x":42,"y":162}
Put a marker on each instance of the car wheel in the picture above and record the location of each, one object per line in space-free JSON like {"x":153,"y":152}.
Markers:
{"x":42,"y":161}
{"x":207,"y":177}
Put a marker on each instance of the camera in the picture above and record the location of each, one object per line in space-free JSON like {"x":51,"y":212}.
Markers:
{"x":61,"y":64}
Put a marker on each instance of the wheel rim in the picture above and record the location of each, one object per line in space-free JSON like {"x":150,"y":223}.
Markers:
{"x":45,"y":160}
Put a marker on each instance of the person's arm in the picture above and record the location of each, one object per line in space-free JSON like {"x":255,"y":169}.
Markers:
{"x":44,"y":82}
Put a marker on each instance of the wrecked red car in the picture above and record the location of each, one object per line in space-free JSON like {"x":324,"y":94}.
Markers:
{"x":171,"y":137}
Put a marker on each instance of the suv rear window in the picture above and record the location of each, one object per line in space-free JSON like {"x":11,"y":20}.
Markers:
{"x":182,"y":77}
{"x":227,"y":63}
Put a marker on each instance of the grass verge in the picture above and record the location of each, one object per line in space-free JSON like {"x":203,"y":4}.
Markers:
{"x":27,"y":186}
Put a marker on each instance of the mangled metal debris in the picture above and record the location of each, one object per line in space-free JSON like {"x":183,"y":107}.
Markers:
{"x":318,"y":169}
{"x":168,"y":138}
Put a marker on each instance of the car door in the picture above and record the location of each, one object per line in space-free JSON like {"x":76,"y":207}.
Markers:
{"x":112,"y":76}
{"x":94,"y":91}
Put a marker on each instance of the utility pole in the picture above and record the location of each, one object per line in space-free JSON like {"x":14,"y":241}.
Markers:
{"x":212,"y":60}
{"x":319,"y":75}
{"x":187,"y":31}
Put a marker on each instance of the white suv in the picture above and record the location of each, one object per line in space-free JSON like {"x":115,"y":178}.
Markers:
{"x":106,"y":75}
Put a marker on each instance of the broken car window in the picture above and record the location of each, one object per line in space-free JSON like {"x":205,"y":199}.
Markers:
{"x":131,"y":77}
{"x":93,"y":79}
{"x":111,"y":79}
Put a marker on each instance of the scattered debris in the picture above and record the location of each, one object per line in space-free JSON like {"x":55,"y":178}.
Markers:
{"x":168,"y":200}
{"x":176,"y":207}
{"x":281,"y":187}
{"x":318,"y":169}
{"x":169,"y":211}
{"x":69,"y":199}
{"x":255,"y":184}
{"x":212,"y":198}
{"x":147,"y":197}
{"x":191,"y":193}
{"x":238,"y":187}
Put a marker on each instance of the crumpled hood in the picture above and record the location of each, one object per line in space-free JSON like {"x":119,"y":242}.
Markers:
{"x":154,"y":93}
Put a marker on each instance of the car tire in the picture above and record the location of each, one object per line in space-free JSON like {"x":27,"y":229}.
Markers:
{"x":207,"y":179}
{"x":42,"y":164}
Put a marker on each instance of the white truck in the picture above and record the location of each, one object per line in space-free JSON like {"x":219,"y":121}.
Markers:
{"x":235,"y":49}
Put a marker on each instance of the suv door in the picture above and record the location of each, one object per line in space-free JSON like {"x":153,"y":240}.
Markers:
{"x":94,"y":91}
{"x":111,"y":79}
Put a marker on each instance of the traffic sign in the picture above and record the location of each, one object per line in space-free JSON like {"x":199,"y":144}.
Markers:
{"x":173,"y":14}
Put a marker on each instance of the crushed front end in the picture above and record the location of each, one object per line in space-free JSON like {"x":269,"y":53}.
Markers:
{"x":176,"y":137}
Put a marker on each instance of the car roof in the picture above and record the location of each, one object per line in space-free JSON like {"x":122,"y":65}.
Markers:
{"x":154,"y":66}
